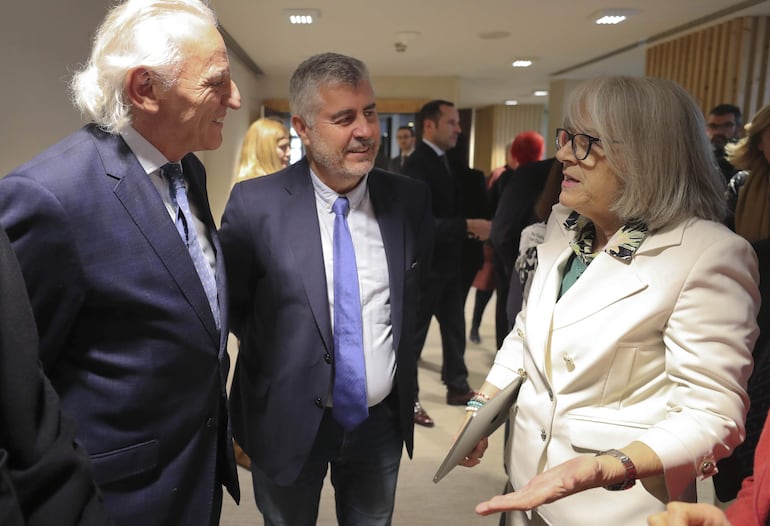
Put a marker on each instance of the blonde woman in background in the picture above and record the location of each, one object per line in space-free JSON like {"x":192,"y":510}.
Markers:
{"x":751,"y":155}
{"x":265,"y":149}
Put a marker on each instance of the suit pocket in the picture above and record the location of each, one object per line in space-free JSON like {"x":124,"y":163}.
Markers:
{"x":119,"y":464}
{"x":598,"y":429}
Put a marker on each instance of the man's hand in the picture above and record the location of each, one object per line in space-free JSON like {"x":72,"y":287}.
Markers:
{"x":478,"y":228}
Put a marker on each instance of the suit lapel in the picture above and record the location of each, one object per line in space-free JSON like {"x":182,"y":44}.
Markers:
{"x":392,"y":227}
{"x":301,"y":219}
{"x":609,"y":280}
{"x":144,"y":205}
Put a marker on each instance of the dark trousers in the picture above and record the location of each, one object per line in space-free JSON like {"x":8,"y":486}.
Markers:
{"x":444,"y":298}
{"x":364,"y":470}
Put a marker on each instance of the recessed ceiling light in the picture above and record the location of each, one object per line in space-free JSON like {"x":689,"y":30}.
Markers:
{"x":540,"y":93}
{"x":511,"y":102}
{"x":302,"y":16}
{"x":611,"y":16}
{"x":521,"y":63}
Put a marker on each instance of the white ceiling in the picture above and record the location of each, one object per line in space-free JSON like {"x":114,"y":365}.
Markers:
{"x":557,"y":33}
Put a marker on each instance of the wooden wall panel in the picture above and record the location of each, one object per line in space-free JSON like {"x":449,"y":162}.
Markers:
{"x":496,"y":127}
{"x":483,"y":139}
{"x":727,"y":62}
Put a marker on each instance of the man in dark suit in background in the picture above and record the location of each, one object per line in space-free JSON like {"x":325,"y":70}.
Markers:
{"x":124,"y":270}
{"x":325,"y":377}
{"x":724,"y":125}
{"x":405,"y":138}
{"x":45,"y":476}
{"x":438,"y":125}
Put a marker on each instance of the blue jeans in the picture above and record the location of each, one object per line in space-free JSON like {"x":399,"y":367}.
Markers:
{"x":364,"y":470}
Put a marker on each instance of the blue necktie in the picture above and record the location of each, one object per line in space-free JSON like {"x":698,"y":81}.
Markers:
{"x":186,"y":228}
{"x":350,"y":406}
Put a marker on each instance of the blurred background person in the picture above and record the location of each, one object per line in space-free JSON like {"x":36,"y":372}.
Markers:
{"x":724,"y":126}
{"x":265,"y":149}
{"x":527,"y":176}
{"x":748,"y":190}
{"x":441,"y":289}
{"x":497,"y":172}
{"x":405,"y":138}
{"x":474,"y":205}
{"x":750,"y":187}
{"x":530,"y":237}
{"x":632,"y":372}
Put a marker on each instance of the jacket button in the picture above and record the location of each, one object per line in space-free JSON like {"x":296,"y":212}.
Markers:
{"x":707,"y":467}
{"x":319,"y":403}
{"x":209,"y":422}
{"x":520,"y":333}
{"x":328,"y":358}
{"x":543,"y":435}
{"x":569,"y":362}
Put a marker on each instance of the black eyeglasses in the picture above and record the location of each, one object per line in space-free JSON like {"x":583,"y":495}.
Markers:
{"x":581,"y":142}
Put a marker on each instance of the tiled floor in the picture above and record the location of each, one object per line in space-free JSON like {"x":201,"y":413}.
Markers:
{"x":420,"y":502}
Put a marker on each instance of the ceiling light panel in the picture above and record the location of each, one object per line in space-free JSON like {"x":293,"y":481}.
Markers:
{"x":611,"y":16}
{"x":302,"y":16}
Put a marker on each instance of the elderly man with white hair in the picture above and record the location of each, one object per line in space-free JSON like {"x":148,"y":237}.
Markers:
{"x":120,"y":255}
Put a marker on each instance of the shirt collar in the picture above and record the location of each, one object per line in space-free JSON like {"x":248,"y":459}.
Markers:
{"x":148,"y":155}
{"x":433,"y":147}
{"x":622,"y":245}
{"x":329,"y":196}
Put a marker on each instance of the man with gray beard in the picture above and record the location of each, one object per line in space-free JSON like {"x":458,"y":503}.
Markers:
{"x":323,"y":260}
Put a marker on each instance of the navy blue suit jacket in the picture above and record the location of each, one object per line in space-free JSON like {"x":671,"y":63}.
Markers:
{"x":127,"y":335}
{"x":280,"y":310}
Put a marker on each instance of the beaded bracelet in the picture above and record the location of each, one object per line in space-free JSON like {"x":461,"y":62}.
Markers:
{"x":477,"y":402}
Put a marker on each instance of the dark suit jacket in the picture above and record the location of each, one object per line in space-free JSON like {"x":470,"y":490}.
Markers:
{"x":280,"y":310}
{"x":520,"y":189}
{"x":127,"y":335}
{"x":475,"y":206}
{"x":394,"y":165}
{"x":448,"y":217}
{"x":45,"y":477}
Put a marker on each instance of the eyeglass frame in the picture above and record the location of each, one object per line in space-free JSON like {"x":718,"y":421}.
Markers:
{"x":571,"y":136}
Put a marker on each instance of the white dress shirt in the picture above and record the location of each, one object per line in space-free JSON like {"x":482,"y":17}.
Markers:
{"x":152,"y":160}
{"x":373,"y":281}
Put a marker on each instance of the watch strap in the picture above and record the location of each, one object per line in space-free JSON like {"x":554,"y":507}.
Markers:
{"x":628,"y":465}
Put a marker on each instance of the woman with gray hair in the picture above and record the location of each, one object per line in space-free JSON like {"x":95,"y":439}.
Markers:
{"x":638,"y":330}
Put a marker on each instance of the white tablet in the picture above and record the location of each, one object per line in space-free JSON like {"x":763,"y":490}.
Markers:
{"x":481,"y":424}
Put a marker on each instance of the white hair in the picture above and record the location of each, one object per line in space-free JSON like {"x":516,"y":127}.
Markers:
{"x":135,"y":33}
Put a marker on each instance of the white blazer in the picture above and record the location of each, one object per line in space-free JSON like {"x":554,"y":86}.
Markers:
{"x":656,"y":350}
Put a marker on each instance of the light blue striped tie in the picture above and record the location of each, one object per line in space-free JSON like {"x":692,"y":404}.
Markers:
{"x":186,"y":227}
{"x":350,"y":406}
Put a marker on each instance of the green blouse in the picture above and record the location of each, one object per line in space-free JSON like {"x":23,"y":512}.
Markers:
{"x":622,"y":245}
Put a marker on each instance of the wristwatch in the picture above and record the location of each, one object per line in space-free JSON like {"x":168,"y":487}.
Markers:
{"x":630,"y":479}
